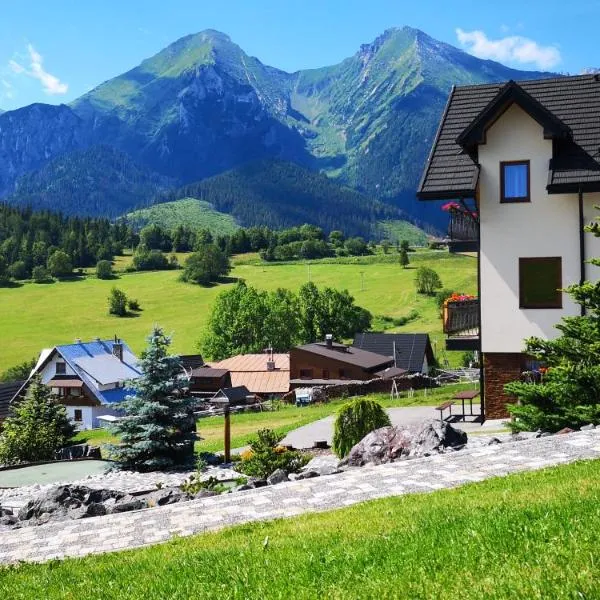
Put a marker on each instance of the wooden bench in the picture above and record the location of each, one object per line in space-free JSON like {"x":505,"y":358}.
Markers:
{"x":443,"y":407}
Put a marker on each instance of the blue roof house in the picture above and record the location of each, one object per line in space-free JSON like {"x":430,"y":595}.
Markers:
{"x":89,"y":378}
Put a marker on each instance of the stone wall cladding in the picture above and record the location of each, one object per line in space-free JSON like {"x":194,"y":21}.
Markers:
{"x":500,"y":368}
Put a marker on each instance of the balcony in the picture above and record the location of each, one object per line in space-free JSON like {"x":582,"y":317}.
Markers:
{"x":463,"y":232}
{"x":461,"y":325}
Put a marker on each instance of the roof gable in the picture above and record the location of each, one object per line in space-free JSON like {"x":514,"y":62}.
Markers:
{"x":511,"y":93}
{"x":411,"y":348}
{"x":453,"y":172}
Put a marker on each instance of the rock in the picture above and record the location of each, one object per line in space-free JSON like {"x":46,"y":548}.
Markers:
{"x":307,"y":475}
{"x":545,"y":434}
{"x":391,"y":443}
{"x":94,"y":509}
{"x":493,"y":441}
{"x":323,"y":465}
{"x":277,"y":476}
{"x":8,"y":520}
{"x":564,"y":430}
{"x":165,"y":496}
{"x":127,"y":503}
{"x":257,"y":482}
{"x":205,"y":494}
{"x":587,"y":427}
{"x":526,"y":435}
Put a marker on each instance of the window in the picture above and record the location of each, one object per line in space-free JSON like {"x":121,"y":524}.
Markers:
{"x":306,"y":373}
{"x":325,"y":373}
{"x":78,"y":415}
{"x":514,"y":181}
{"x":61,"y":368}
{"x":343,"y":373}
{"x":540,"y":281}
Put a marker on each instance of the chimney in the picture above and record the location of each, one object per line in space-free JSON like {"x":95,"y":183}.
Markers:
{"x":329,"y":340}
{"x":117,"y":349}
{"x":270,"y":360}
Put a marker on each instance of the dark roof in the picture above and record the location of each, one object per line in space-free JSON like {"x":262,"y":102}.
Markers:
{"x":411,"y":348}
{"x":209,"y":373}
{"x":234,"y":394}
{"x":348,"y":354}
{"x":391,"y":372}
{"x":7,"y":391}
{"x":568,"y":108}
{"x":191,"y":361}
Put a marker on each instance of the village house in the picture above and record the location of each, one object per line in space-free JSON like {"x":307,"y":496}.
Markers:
{"x":521,"y":161}
{"x":89,"y":378}
{"x":412,"y":352}
{"x":265,"y":375}
{"x":329,"y":363}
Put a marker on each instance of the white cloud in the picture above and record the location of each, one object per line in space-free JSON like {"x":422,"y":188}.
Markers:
{"x":51,"y":84}
{"x":514,"y":48}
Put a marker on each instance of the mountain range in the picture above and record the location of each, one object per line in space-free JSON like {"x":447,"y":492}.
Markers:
{"x":202,"y":107}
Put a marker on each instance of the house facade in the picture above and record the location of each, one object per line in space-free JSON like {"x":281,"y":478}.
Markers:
{"x":89,"y":378}
{"x":329,"y":363}
{"x":522,"y":163}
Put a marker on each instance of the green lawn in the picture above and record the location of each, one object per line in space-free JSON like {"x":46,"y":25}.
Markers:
{"x":533,"y":535}
{"x":35,"y":316}
{"x":245,"y":425}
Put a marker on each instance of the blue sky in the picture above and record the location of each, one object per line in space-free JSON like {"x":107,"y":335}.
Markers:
{"x":54,"y":51}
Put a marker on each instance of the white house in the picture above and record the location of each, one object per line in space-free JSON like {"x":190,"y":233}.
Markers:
{"x":522,"y":163}
{"x":90,"y":378}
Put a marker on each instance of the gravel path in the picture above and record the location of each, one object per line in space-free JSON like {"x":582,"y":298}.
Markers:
{"x":153,"y":525}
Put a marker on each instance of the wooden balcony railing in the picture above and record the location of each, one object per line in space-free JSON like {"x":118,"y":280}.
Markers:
{"x":463,"y":227}
{"x":461,"y":318}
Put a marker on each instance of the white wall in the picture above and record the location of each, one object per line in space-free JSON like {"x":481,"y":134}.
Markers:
{"x":49,"y":371}
{"x":87,"y":416}
{"x":547,"y":226}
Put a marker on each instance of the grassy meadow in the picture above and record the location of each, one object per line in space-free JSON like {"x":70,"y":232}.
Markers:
{"x":530,"y":535}
{"x":34,"y":316}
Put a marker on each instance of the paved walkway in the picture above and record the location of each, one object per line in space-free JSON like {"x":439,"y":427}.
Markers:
{"x":153,"y":525}
{"x":322,"y":430}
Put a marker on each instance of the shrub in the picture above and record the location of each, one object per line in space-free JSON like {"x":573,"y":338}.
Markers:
{"x":40,"y":275}
{"x":133,"y":304}
{"x":59,"y":264}
{"x":404,"y":260}
{"x":266,"y":456}
{"x":149,"y":260}
{"x":427,"y":281}
{"x":442,"y":295}
{"x":206,"y":265}
{"x":354,"y":421}
{"x":18,"y":270}
{"x":117,"y":302}
{"x":38,"y":427}
{"x":104,"y":269}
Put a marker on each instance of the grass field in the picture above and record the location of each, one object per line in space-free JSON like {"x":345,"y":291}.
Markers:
{"x":35,"y":316}
{"x":532,"y":535}
{"x":191,"y":212}
{"x":245,"y":425}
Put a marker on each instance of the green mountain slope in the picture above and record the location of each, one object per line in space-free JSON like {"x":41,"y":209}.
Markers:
{"x":191,"y":212}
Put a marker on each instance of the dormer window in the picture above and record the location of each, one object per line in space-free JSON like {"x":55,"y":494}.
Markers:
{"x":514,"y":181}
{"x":61,"y":368}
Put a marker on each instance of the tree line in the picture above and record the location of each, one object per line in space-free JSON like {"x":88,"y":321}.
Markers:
{"x":45,"y":244}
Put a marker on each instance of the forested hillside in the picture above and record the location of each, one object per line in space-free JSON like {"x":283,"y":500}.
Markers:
{"x":280,"y":194}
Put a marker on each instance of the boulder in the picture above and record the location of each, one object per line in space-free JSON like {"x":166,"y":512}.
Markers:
{"x":323,"y":465}
{"x":277,"y":476}
{"x":257,"y":482}
{"x":307,"y":475}
{"x":164,"y":496}
{"x":391,"y":443}
{"x":94,"y":509}
{"x":127,"y":503}
{"x":205,"y":494}
{"x":587,"y":427}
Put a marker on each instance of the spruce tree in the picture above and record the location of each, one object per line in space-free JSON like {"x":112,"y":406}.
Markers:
{"x":37,"y":427}
{"x":158,"y":428}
